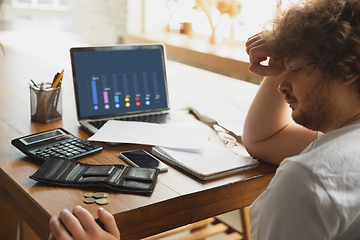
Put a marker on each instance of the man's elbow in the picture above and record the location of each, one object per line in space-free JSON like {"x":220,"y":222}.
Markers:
{"x":258,"y":151}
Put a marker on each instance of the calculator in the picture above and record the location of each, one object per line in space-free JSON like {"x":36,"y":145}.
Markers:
{"x":55,"y":143}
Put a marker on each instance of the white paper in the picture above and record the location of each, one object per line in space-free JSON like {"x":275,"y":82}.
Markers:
{"x":166,"y":135}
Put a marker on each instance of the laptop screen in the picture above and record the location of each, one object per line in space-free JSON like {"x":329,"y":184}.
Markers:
{"x":119,"y":79}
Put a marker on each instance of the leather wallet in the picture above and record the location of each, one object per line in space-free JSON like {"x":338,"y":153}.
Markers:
{"x":72,"y":173}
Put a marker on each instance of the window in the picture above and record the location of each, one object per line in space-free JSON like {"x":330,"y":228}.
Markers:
{"x":57,"y":5}
{"x":250,"y":19}
{"x":55,"y":14}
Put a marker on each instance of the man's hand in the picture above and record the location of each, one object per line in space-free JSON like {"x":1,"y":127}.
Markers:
{"x":258,"y":51}
{"x":82,"y":226}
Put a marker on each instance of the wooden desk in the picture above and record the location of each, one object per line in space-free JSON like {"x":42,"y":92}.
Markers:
{"x":178,"y":199}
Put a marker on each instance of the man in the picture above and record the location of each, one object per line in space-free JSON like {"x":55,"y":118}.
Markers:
{"x":312,"y":78}
{"x":311,"y":90}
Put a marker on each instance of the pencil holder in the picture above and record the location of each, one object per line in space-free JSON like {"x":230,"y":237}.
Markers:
{"x":46,"y":104}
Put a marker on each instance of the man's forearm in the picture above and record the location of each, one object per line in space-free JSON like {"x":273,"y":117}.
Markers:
{"x":268,"y":113}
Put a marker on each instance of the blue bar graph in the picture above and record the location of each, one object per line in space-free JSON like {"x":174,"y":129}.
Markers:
{"x":93,"y":84}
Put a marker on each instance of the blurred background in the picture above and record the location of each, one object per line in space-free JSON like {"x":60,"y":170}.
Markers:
{"x":215,"y":28}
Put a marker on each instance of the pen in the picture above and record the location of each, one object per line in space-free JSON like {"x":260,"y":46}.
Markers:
{"x":32,"y":86}
{"x":55,"y":77}
{"x":34,"y":83}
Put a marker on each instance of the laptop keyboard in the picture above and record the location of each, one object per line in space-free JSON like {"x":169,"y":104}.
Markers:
{"x":153,"y":118}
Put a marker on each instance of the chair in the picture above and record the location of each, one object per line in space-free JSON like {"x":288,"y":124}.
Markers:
{"x":209,"y":228}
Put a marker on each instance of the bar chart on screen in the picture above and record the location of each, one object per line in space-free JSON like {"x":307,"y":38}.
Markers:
{"x":125,"y":90}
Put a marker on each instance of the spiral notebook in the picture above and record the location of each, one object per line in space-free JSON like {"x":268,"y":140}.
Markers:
{"x":214,"y":161}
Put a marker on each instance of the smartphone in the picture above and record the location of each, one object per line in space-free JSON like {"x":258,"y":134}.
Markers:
{"x":141,"y":158}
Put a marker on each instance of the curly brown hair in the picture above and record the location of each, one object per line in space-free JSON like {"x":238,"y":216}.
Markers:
{"x":326,"y":31}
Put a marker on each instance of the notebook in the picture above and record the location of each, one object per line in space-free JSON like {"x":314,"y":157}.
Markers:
{"x":122,"y":82}
{"x":214,"y":161}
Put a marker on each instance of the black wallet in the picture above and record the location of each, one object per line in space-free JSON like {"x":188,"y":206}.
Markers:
{"x":72,"y":173}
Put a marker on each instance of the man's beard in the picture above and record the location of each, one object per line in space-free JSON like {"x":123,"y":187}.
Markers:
{"x":316,"y":110}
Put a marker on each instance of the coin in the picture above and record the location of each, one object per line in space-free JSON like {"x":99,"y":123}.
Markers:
{"x":101,"y":195}
{"x":89,"y":200}
{"x":102,"y":201}
{"x":89,"y":194}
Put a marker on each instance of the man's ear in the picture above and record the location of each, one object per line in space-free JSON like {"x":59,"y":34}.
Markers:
{"x":354,"y":77}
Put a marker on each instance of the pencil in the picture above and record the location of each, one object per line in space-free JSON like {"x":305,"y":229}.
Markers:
{"x":57,"y":79}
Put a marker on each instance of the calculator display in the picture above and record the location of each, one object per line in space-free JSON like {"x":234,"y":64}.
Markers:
{"x":42,"y":136}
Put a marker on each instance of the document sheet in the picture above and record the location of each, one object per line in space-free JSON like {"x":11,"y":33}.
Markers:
{"x":174,"y":135}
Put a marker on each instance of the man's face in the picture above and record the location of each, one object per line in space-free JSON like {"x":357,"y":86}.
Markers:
{"x":309,"y":94}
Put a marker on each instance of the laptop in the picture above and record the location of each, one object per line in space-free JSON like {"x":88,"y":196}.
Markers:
{"x":121,"y":82}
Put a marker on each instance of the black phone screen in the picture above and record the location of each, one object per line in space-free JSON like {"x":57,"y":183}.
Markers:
{"x":141,"y":158}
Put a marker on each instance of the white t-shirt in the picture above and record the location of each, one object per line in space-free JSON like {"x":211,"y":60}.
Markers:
{"x":315,"y":195}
